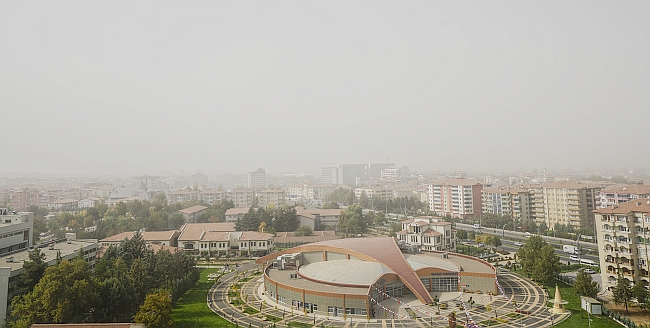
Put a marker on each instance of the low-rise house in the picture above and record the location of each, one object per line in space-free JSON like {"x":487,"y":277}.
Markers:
{"x":192,"y":233}
{"x":235,"y":213}
{"x":62,"y":204}
{"x":428,"y":233}
{"x":192,"y":213}
{"x":208,"y":241}
{"x":164,"y":238}
{"x":318,"y":219}
{"x":89,"y":202}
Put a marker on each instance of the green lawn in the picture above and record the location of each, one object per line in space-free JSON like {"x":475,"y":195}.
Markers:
{"x":192,"y":311}
{"x":579,"y":316}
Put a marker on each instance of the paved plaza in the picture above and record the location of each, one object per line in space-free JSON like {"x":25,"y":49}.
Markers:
{"x":529,"y":297}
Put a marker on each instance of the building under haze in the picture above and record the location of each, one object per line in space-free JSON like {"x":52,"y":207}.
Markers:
{"x":621,"y":194}
{"x":351,"y":174}
{"x":622,"y":232}
{"x":16,"y":230}
{"x":512,"y":202}
{"x":567,"y":202}
{"x":456,"y":197}
{"x":257,"y":179}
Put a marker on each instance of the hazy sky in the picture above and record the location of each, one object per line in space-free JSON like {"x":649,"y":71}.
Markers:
{"x":289,"y":85}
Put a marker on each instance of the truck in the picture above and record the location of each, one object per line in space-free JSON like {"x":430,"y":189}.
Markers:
{"x":570,"y":249}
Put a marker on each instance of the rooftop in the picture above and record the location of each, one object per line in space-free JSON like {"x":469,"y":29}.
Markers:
{"x":346,"y":272}
{"x":50,"y":254}
{"x":193,"y":231}
{"x":146,"y":236}
{"x":637,"y":205}
{"x":193,"y":209}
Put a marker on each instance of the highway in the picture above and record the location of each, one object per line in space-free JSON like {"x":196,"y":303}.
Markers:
{"x":508,"y":238}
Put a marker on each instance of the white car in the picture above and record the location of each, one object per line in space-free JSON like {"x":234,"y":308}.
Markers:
{"x":574,"y":258}
{"x":589,"y":271}
{"x":518,"y":244}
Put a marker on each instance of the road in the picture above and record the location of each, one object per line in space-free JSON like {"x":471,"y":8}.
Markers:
{"x":528,"y":296}
{"x":510,"y":237}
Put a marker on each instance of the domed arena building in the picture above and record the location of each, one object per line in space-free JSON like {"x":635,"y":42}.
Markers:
{"x":354,"y":277}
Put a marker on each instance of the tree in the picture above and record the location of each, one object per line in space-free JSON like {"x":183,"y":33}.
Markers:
{"x":461,"y":234}
{"x":495,"y":241}
{"x":640,"y":294}
{"x":156,"y":312}
{"x":584,"y":285}
{"x":303,"y":231}
{"x":65,"y":294}
{"x":352,"y":221}
{"x":538,"y":259}
{"x":330,"y":205}
{"x":33,"y":271}
{"x":623,"y":293}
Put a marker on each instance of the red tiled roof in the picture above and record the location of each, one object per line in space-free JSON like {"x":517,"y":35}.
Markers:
{"x":193,"y":231}
{"x":193,"y":209}
{"x":638,"y":205}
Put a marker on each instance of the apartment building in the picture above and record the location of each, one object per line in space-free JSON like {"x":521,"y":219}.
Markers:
{"x":212,"y":196}
{"x":271,"y":196}
{"x":257,"y":179}
{"x":565,"y":202}
{"x":182,"y":196}
{"x":310,"y":192}
{"x":21,"y":200}
{"x":242,"y":197}
{"x":456,"y":197}
{"x":428,"y":233}
{"x":623,"y":233}
{"x":382,"y":193}
{"x":514,"y":202}
{"x":621,"y":194}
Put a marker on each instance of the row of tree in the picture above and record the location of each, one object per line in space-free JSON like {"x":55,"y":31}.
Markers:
{"x":101,"y":221}
{"x":404,"y":205}
{"x":271,"y":220}
{"x":125,"y":276}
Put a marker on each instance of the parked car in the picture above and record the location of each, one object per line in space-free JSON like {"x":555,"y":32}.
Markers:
{"x":589,"y":271}
{"x":518,"y":244}
{"x":574,"y":258}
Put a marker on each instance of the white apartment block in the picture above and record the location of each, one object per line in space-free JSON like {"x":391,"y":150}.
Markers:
{"x":182,"y":196}
{"x":456,"y":197}
{"x":511,"y":202}
{"x":374,"y":192}
{"x":257,"y":179}
{"x":310,"y":192}
{"x":428,"y":233}
{"x":621,"y":194}
{"x":270,"y":196}
{"x":564,"y":203}
{"x":623,"y":233}
{"x":242,"y":197}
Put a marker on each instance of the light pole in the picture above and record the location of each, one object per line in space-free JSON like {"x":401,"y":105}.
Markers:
{"x":503,"y":231}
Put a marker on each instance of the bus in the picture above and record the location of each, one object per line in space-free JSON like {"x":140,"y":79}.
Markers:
{"x":588,"y":262}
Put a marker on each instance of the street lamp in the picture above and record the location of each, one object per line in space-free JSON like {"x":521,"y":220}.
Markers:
{"x":503,"y":231}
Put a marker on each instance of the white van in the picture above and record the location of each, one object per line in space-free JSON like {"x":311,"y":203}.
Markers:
{"x":588,"y":262}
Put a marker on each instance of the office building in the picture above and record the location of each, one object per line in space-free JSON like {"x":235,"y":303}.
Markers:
{"x":257,"y":179}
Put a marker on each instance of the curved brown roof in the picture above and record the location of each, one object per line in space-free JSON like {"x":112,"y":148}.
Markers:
{"x":381,"y":249}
